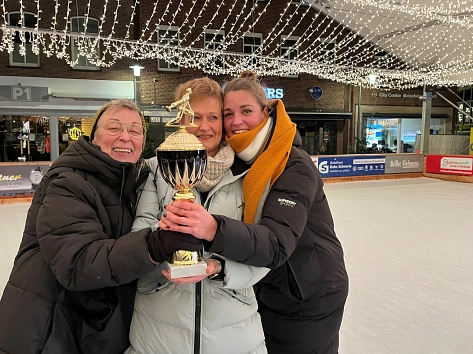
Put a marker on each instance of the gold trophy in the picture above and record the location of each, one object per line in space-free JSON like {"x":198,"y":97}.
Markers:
{"x":182,"y":159}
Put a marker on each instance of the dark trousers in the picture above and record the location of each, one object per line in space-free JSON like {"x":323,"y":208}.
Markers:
{"x":317,"y":333}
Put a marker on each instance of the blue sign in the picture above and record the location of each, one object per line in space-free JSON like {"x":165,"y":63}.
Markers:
{"x":351,"y":166}
{"x":272,"y":93}
{"x":316,"y":92}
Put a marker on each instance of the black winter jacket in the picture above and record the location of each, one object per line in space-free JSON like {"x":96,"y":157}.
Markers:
{"x":72,"y":286}
{"x":295,"y":237}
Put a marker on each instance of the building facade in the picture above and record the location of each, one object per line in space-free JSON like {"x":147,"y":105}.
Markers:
{"x":46,"y":102}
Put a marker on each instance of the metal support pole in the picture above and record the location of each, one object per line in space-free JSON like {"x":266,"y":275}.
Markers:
{"x":137,"y":86}
{"x":54,"y":137}
{"x":426,"y":114}
{"x":358,"y":132}
{"x":400,"y":143}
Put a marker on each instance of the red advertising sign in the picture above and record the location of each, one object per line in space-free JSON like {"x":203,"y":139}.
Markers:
{"x":449,"y":165}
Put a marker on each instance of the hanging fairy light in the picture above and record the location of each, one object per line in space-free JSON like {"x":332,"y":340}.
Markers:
{"x":335,"y":39}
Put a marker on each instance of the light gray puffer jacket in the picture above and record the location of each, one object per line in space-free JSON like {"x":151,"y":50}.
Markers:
{"x":210,"y":317}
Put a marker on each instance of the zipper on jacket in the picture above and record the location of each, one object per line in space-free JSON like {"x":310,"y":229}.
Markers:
{"x":197,"y":318}
{"x":301,"y":301}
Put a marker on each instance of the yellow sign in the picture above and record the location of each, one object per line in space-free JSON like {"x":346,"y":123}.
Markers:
{"x":75,"y":133}
{"x":8,"y":178}
{"x":471,"y":141}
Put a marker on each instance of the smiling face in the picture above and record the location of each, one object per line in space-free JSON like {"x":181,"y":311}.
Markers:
{"x":122,"y":147}
{"x":241,"y":112}
{"x":208,"y":118}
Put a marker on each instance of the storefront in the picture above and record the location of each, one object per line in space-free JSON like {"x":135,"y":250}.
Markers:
{"x":384,"y":129}
{"x":387,"y":117}
{"x":28,"y":137}
{"x":40,"y":117}
{"x":322,"y":132}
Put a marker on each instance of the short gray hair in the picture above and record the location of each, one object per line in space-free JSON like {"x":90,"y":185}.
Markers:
{"x":116,"y":104}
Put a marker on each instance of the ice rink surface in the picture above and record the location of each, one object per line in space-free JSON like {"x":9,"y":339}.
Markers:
{"x":409,"y":253}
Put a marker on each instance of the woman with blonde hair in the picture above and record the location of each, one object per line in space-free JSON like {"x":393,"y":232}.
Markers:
{"x":215,"y":313}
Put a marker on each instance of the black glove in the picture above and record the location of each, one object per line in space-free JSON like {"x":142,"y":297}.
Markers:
{"x":162,"y":243}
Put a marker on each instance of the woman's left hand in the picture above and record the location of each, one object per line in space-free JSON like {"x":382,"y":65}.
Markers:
{"x":212,"y":268}
{"x":189,"y":218}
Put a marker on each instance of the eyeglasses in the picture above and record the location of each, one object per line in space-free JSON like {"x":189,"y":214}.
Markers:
{"x":115,"y":127}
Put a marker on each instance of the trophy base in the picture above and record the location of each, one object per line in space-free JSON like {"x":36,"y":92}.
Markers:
{"x":190,"y":270}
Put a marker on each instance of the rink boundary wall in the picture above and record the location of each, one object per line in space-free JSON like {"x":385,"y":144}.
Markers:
{"x":26,"y":198}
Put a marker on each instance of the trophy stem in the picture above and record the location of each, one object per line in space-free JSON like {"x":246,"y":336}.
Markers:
{"x":182,"y":257}
{"x":184,"y":195}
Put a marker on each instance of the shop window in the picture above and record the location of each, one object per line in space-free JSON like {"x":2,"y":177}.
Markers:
{"x":464,"y":93}
{"x":23,"y":56}
{"x":319,"y":137}
{"x":252,"y":44}
{"x":289,"y":49}
{"x":24,"y":138}
{"x":213,"y":41}
{"x":83,"y":48}
{"x":169,"y":37}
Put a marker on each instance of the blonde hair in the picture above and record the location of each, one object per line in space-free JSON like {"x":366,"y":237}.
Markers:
{"x":201,"y":88}
{"x":248,"y":81}
{"x":114,"y":105}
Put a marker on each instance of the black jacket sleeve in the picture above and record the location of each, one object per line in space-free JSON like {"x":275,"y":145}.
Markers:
{"x":76,"y":240}
{"x":271,"y":242}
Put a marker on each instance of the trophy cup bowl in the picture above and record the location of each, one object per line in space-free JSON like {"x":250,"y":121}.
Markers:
{"x":182,"y":159}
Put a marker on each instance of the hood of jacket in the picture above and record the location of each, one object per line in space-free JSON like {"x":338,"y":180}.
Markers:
{"x":297,"y":140}
{"x":272,"y":104}
{"x":88,"y":158}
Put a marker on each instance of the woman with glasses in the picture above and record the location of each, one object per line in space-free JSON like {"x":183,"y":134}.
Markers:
{"x":72,"y":286}
{"x":215,"y":313}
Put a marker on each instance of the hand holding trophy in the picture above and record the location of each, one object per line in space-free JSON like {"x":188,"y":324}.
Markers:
{"x":182,"y":159}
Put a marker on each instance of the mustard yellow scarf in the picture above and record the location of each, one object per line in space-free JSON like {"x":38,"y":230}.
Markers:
{"x":270,"y":164}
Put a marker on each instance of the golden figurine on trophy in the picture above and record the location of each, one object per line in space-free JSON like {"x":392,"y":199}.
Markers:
{"x":184,"y":108}
{"x":182,"y":160}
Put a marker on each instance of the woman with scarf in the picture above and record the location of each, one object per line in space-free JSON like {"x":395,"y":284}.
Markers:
{"x":287,"y":226}
{"x":215,"y":313}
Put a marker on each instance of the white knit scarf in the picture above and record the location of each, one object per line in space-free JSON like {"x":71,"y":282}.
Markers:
{"x":216,"y":167}
{"x":249,"y":154}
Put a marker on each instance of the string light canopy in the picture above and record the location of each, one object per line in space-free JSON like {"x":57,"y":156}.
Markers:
{"x":369,"y":43}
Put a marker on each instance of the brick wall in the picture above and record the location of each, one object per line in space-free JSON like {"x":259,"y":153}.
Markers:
{"x":158,"y":87}
{"x":55,"y":68}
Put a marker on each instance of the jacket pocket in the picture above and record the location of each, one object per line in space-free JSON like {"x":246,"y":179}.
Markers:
{"x":305,"y":277}
{"x":103,"y":336}
{"x":242,"y":295}
{"x":154,"y":281}
{"x":293,"y":285}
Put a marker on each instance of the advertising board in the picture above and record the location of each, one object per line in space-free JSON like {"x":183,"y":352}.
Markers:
{"x":21,"y":179}
{"x":404,"y":163}
{"x":449,"y":165}
{"x":345,"y":166}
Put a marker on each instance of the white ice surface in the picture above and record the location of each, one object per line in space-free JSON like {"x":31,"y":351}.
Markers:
{"x":409,"y":254}
{"x":12,"y":223}
{"x":408,"y":250}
